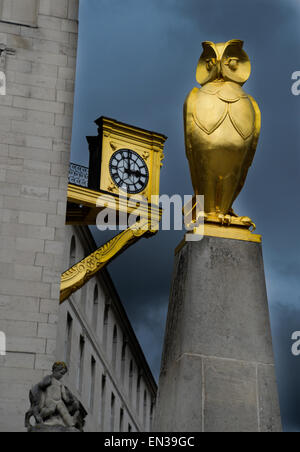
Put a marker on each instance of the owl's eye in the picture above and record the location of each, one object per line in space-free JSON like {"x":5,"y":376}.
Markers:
{"x":233,"y":63}
{"x":210,"y":63}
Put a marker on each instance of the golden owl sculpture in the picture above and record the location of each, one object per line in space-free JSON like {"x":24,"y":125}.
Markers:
{"x":222,"y":127}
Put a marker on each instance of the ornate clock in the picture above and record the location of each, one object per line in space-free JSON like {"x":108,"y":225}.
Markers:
{"x":125,"y":160}
{"x":129,"y":171}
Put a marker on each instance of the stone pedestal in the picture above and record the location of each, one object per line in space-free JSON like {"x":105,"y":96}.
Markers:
{"x":217,"y":370}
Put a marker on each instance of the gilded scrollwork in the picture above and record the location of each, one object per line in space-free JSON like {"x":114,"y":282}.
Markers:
{"x":74,"y":278}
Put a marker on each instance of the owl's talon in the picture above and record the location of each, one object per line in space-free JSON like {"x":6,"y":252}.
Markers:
{"x":248,"y":222}
{"x":221,"y":218}
{"x":228,"y":219}
{"x":225,"y":219}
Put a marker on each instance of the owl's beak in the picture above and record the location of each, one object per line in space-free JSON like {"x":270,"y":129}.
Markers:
{"x":219,"y":69}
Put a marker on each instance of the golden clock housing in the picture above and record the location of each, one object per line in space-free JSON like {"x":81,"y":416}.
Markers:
{"x":143,"y":148}
{"x":121,"y":149}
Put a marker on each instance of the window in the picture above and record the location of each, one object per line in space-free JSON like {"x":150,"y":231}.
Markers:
{"x":105,"y":324}
{"x":95,"y":308}
{"x":138,"y":391}
{"x":145,"y":409}
{"x":22,"y":12}
{"x":103,"y":395}
{"x":130,"y":380}
{"x":93,"y":380}
{"x":114,"y":347}
{"x":68,"y":340}
{"x":72,"y":260}
{"x":123,"y":362}
{"x":151,"y":414}
{"x":80,"y":364}
{"x":112,"y":413}
{"x":121,"y":419}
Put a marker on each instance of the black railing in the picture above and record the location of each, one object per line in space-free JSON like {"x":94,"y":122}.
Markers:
{"x":78,"y":175}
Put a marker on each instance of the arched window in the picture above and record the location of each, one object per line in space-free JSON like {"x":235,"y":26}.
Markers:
{"x":138,"y":394}
{"x":105,"y":323}
{"x":112,"y":413}
{"x":68,"y":339}
{"x":123,"y":360}
{"x":80,"y":369}
{"x":151,"y":414}
{"x":93,"y":381}
{"x":130,"y":380}
{"x":114,"y":347}
{"x":72,"y":259}
{"x":145,"y":409}
{"x":121,"y":419}
{"x":95,"y":308}
{"x":103,"y":397}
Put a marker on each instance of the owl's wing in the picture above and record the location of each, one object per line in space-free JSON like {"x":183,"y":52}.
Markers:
{"x":251,"y":153}
{"x":188,"y":117}
{"x":257,"y":128}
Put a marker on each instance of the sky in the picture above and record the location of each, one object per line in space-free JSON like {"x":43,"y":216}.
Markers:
{"x":136,"y":63}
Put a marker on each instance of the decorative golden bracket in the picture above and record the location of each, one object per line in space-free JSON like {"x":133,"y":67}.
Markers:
{"x":77,"y":276}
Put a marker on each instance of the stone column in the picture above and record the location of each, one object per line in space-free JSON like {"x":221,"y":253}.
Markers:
{"x":218,"y":370}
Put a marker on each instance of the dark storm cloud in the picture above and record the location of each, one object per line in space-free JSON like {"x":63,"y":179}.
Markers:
{"x":137,"y":62}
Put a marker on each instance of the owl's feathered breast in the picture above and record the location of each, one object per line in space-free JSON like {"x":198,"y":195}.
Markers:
{"x":216,"y":101}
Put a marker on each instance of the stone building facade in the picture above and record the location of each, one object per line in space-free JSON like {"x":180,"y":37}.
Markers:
{"x":108,"y":371}
{"x":38,"y":45}
{"x":35,"y":135}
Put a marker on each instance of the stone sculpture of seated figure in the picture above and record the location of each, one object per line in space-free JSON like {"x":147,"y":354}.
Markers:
{"x":53,"y":406}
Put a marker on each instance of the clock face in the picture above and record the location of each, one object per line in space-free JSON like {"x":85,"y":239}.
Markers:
{"x":129,"y":171}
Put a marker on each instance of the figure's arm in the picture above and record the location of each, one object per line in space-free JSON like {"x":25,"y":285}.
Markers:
{"x":68,"y":397}
{"x":65,"y":394}
{"x":45,"y":383}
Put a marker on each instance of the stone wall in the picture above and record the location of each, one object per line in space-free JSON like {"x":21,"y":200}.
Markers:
{"x":35,"y":135}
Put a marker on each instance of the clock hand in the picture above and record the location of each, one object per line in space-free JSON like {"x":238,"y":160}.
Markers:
{"x":136,"y":173}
